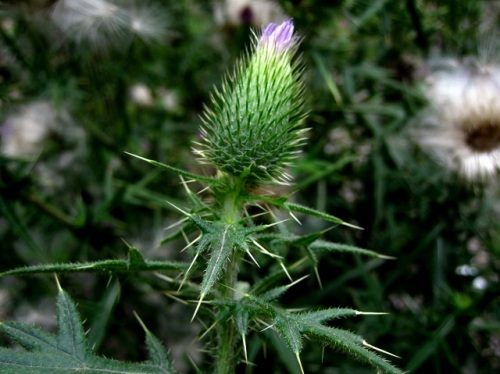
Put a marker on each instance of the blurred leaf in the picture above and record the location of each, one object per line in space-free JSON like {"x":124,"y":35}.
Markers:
{"x":7,"y":211}
{"x":102,"y":313}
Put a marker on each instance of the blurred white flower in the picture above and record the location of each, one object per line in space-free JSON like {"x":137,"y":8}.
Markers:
{"x":106,"y":23}
{"x":141,"y":94}
{"x":462,"y":129}
{"x":39,"y":130}
{"x":23,"y":133}
{"x":168,"y":99}
{"x":148,"y":21}
{"x":466,"y":270}
{"x":252,"y":12}
{"x":96,"y":22}
{"x":480,"y":283}
{"x":339,"y":140}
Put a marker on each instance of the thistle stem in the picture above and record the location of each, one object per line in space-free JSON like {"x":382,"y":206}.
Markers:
{"x":226,"y":353}
{"x":231,"y":198}
{"x":231,"y":211}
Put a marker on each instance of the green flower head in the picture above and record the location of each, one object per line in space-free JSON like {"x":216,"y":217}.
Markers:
{"x":253,"y":129}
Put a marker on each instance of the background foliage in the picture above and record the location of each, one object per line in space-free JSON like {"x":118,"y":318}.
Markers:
{"x":81,"y":197}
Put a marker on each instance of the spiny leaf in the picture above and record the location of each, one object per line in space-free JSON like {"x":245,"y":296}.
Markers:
{"x":68,"y":351}
{"x":241,"y":318}
{"x":222,"y":246}
{"x":292,"y":326}
{"x":292,"y":207}
{"x":71,"y":337}
{"x":157,"y":354}
{"x":298,"y":240}
{"x":316,"y":213}
{"x":324,"y":315}
{"x":180,"y":172}
{"x":289,"y":330}
{"x":134,"y":263}
{"x":277,"y":292}
{"x":350,"y":343}
{"x":322,"y":245}
{"x":135,"y":259}
{"x":220,"y":239}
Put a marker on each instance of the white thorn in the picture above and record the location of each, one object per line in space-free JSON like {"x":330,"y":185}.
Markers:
{"x":298,"y":280}
{"x":168,"y":294}
{"x":260,"y":207}
{"x":189,"y":243}
{"x":140,"y":320}
{"x":351,"y":225}
{"x":179,"y":209}
{"x":197,"y":307}
{"x":176,"y":223}
{"x":207,"y":331}
{"x":378,"y":349}
{"x":300,"y":363}
{"x":370,"y":313}
{"x":277,"y":223}
{"x":286,"y":271}
{"x":267,"y":328}
{"x":295,"y":218}
{"x":189,"y":192}
{"x":187,"y":272}
{"x":265,"y":251}
{"x":202,"y":190}
{"x":253,"y":259}
{"x":384,"y":257}
{"x":244,"y":347}
{"x":317,"y":277}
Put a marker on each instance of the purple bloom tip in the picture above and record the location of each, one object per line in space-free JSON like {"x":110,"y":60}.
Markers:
{"x":279,"y":37}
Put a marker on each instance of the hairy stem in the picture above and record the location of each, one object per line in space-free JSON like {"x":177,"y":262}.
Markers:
{"x":231,"y":212}
{"x":226,"y":357}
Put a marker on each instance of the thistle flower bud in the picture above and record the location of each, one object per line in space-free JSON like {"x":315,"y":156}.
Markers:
{"x":253,"y":130}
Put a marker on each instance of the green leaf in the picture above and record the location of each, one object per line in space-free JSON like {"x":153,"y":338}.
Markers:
{"x":298,"y":240}
{"x":69,"y":351}
{"x":322,"y":245}
{"x":174,"y":170}
{"x":293,"y":326}
{"x":274,"y":293}
{"x":316,"y":213}
{"x":350,"y":343}
{"x":222,"y":245}
{"x":157,"y":354}
{"x":324,"y":315}
{"x":135,"y":263}
{"x":288,"y":329}
{"x":220,"y":238}
{"x":292,"y":207}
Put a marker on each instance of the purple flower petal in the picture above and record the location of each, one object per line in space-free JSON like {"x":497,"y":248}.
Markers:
{"x":277,"y":37}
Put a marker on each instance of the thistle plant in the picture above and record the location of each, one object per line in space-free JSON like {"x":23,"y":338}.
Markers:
{"x":251,"y":134}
